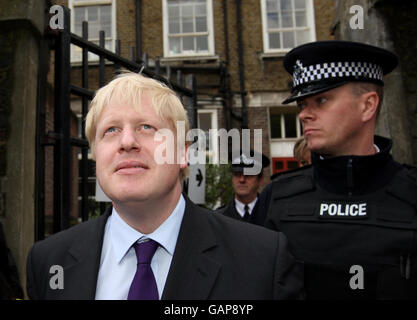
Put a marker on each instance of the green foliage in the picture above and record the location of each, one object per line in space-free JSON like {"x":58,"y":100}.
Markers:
{"x":218,"y":185}
{"x":94,"y":208}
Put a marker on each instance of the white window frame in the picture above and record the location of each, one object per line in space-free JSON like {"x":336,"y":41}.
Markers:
{"x":210,"y":32}
{"x":282,"y":120}
{"x":310,"y":25}
{"x":112,"y":37}
{"x":214,"y":141}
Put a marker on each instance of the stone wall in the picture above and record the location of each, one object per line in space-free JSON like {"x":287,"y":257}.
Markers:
{"x":391,"y":26}
{"x":21,"y":26}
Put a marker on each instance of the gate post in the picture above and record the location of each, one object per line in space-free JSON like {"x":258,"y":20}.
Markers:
{"x":21,"y":31}
{"x":62,"y":113}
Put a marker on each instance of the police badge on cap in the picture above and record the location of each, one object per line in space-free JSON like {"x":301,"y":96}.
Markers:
{"x":251,"y":160}
{"x":323,"y":65}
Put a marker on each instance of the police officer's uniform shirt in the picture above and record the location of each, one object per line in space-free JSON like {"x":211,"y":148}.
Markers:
{"x":240,"y":207}
{"x":347,"y":211}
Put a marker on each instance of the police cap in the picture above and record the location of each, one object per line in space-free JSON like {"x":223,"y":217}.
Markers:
{"x":323,"y":65}
{"x":248,"y":161}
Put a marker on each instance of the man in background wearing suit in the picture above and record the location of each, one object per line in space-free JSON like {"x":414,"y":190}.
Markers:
{"x":245,"y":204}
{"x":154,"y":243}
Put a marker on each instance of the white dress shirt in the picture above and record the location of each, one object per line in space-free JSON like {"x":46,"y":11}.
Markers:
{"x":240,"y":207}
{"x":118,"y":257}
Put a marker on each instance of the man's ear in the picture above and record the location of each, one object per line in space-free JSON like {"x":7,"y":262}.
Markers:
{"x":369,"y":105}
{"x":184,"y":156}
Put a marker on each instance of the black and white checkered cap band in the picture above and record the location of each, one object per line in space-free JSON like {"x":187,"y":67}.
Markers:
{"x":331,"y":70}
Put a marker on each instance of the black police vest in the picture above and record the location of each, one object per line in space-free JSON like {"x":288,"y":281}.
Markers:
{"x":353,"y":247}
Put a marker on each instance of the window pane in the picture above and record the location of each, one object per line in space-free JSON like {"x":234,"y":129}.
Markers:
{"x":188,"y":44}
{"x":187,"y":17}
{"x":292,"y":164}
{"x":187,"y":10}
{"x":288,"y":39}
{"x":92,"y":13}
{"x":285,"y":5}
{"x":173,"y":12}
{"x":187,"y":25}
{"x":299,"y":4}
{"x":105,"y":12}
{"x":271,"y":6}
{"x":174,"y":26}
{"x":273,"y":20}
{"x":200,"y":9}
{"x":98,"y":17}
{"x":279,"y":165}
{"x":79,"y":17}
{"x":201,"y":24}
{"x":290,"y":125}
{"x":287,"y":19}
{"x":106,"y":27}
{"x":274,"y":41}
{"x":275,"y":120}
{"x":107,"y":44}
{"x":202,"y":43}
{"x":174,"y":45}
{"x":300,"y":19}
{"x":303,"y":36}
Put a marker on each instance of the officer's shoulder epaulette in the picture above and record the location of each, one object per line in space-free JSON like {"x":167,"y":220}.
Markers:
{"x":293,"y":182}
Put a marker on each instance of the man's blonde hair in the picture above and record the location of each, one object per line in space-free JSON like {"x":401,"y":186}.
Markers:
{"x":128,"y":87}
{"x":300,"y":147}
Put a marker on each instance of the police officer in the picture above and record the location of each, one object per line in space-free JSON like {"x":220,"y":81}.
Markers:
{"x":351,"y":216}
{"x":244,"y":205}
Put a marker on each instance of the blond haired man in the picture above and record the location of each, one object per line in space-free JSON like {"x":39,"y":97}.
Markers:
{"x":154,"y":243}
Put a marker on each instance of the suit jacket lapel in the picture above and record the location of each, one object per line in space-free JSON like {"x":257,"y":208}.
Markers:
{"x":231,"y":210}
{"x":81,"y":272}
{"x":193,"y":272}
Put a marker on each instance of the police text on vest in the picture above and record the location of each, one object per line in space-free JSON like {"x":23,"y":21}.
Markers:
{"x":345,"y":210}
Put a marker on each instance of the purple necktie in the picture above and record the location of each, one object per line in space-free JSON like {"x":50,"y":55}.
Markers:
{"x":143,"y":286}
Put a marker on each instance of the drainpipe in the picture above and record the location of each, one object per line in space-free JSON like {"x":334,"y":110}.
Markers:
{"x":227,"y":97}
{"x":138,"y":30}
{"x":241,"y":65}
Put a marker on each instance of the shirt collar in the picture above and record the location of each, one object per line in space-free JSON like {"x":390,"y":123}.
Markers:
{"x":240,"y":206}
{"x":123,"y":236}
{"x":375,"y":146}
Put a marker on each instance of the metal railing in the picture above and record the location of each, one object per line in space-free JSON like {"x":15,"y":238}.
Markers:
{"x":61,"y":138}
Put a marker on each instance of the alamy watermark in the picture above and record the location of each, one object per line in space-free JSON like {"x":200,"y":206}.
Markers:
{"x":57,"y":279}
{"x":167,"y":153}
{"x":357,"y":280}
{"x":356,"y":21}
{"x":57,"y":20}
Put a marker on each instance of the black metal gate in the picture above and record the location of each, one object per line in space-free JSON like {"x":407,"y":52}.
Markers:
{"x":60,"y":139}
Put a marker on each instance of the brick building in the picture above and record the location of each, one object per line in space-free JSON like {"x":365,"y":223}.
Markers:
{"x":234,"y":49}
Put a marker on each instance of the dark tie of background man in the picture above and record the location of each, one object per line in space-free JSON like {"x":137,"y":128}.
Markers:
{"x":246,"y":216}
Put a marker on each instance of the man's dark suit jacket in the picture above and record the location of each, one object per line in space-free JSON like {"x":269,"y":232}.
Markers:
{"x":215,"y":258}
{"x":257,"y":216}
